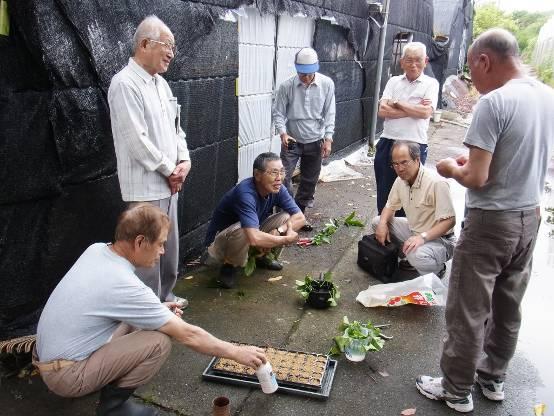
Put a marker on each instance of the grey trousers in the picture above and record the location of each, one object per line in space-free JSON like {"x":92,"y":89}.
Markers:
{"x":310,"y":167}
{"x":428,"y":258}
{"x":490,"y":272}
{"x":131,"y":359}
{"x":161,"y":278}
{"x":231,"y":244}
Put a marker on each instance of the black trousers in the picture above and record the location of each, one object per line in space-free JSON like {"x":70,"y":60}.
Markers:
{"x":310,"y":167}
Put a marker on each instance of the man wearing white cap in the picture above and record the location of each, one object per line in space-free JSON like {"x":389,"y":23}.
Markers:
{"x":304,"y":115}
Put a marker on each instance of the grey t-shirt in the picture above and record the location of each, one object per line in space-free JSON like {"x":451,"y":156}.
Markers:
{"x":516,"y":124}
{"x":97,"y":294}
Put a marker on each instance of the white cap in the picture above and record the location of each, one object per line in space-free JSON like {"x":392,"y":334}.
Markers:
{"x":306,"y":61}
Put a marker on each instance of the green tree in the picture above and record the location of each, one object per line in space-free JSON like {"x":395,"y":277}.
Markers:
{"x":488,"y":16}
{"x":524,"y":25}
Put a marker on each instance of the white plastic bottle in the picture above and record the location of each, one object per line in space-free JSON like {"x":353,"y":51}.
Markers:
{"x":267,"y":378}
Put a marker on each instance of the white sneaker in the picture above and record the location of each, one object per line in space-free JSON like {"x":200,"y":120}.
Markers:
{"x":183,"y":303}
{"x":492,"y":389}
{"x":432,"y":389}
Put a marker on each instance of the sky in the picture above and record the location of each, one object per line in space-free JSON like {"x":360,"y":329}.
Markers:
{"x":528,"y":5}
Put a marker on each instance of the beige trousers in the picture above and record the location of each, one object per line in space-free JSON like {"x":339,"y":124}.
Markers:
{"x":129,"y":360}
{"x":231,"y":244}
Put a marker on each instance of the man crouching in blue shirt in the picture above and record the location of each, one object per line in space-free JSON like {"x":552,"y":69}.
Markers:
{"x":243,"y":219}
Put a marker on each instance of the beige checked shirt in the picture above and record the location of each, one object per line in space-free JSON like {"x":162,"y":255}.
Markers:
{"x":148,"y":138}
{"x":425,"y":203}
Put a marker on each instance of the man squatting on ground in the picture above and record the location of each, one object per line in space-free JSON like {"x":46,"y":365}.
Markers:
{"x":407,"y":103}
{"x":426,"y":235}
{"x":152,"y":156}
{"x":119,"y":334}
{"x":510,"y":142}
{"x":244,"y":219}
{"x":304,"y":116}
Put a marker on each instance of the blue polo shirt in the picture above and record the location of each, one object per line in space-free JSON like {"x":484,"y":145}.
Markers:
{"x":244,"y":204}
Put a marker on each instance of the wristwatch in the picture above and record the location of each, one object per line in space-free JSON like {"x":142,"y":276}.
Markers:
{"x":281,"y":231}
{"x":424,"y":236}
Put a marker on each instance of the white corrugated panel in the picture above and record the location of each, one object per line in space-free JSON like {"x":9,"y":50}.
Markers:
{"x":248,"y":153}
{"x":285,"y":64}
{"x":276,"y":144}
{"x":254,"y":118}
{"x":295,"y":31}
{"x":255,"y":69}
{"x":256,"y":29}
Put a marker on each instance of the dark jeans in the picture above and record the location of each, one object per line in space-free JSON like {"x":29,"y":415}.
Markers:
{"x":310,"y":166}
{"x":385,"y":174}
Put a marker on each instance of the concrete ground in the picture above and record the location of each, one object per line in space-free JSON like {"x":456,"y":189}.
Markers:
{"x":261,"y":312}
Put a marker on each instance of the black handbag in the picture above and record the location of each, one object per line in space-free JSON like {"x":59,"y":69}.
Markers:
{"x":378,"y":260}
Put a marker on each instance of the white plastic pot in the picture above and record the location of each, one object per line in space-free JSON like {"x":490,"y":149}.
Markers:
{"x":354,"y":350}
{"x":437,"y":116}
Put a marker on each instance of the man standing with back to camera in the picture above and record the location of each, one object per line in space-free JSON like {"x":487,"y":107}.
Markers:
{"x":510,"y":143}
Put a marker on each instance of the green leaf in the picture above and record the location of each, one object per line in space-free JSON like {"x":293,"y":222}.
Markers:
{"x":332,"y":301}
{"x":334,"y":351}
{"x":328,"y":276}
{"x":250,"y":266}
{"x":352,"y":221}
{"x":299,"y":282}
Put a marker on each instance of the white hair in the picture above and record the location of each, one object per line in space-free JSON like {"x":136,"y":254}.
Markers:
{"x":417,"y":47}
{"x":150,"y":28}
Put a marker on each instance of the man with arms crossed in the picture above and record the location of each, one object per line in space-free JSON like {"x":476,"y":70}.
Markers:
{"x":406,"y":105}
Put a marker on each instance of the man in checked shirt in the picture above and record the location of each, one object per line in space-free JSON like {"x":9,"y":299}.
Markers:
{"x":304,"y":116}
{"x":152,"y":156}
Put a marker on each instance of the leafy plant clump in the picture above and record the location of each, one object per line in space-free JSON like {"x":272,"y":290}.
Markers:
{"x":309,"y":284}
{"x":324,"y":236}
{"x":356,"y":330}
{"x":254,"y":253}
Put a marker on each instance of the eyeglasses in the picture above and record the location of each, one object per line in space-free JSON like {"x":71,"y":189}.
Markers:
{"x":168,"y":46}
{"x":411,"y":61}
{"x":274,"y":173}
{"x":402,"y":164}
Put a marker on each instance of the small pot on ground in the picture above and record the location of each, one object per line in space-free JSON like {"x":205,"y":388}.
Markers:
{"x":320,"y":293}
{"x":319,"y":296}
{"x":221,"y":406}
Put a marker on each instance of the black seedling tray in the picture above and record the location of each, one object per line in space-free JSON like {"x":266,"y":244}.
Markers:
{"x":285,"y":387}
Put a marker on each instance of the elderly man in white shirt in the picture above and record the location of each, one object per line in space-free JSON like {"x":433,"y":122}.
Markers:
{"x":407,"y":103}
{"x":152,"y":156}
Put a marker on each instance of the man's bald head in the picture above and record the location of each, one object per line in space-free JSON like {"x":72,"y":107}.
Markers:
{"x":498,"y":41}
{"x":493,"y":60}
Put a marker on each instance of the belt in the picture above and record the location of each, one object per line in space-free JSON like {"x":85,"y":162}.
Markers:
{"x":55,"y":365}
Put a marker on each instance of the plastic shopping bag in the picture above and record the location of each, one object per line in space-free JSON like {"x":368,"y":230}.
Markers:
{"x":426,"y":290}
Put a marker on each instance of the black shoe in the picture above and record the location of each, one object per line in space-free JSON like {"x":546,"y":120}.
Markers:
{"x":442,"y":272}
{"x":405,"y":265}
{"x":227,"y":276}
{"x":307,"y":227}
{"x":265,"y":263}
{"x":115,"y":401}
